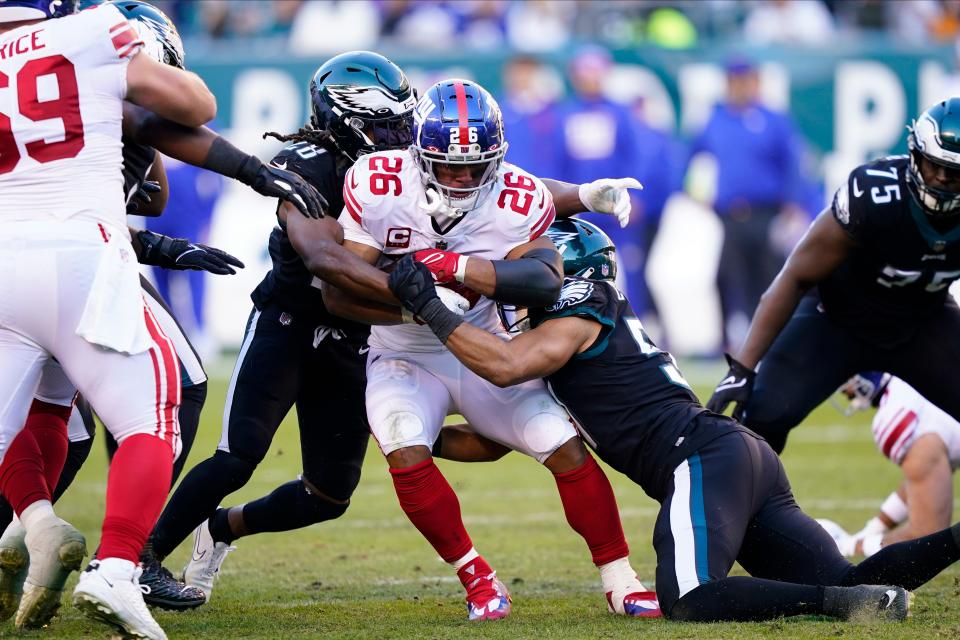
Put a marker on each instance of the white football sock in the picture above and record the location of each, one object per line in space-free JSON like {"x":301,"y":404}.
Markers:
{"x":36,"y":512}
{"x":618,"y":575}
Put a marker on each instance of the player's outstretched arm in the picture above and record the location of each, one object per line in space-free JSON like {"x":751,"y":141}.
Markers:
{"x":929,"y":483}
{"x":821,"y":250}
{"x":172,"y":93}
{"x":530,"y":276}
{"x":532,"y":355}
{"x":606,"y":195}
{"x":179,"y":254}
{"x":203,"y":147}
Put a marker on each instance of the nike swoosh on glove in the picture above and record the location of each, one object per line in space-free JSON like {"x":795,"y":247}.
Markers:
{"x":610,"y":196}
{"x":275,"y":182}
{"x":446,"y":266}
{"x":736,"y":387}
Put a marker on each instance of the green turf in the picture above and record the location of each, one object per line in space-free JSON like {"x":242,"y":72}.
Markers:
{"x":370,"y":574}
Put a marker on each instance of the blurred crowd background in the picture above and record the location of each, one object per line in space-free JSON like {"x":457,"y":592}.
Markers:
{"x":739,"y":117}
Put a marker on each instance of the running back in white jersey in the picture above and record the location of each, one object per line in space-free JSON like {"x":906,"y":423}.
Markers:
{"x":384,"y":202}
{"x":62,"y":85}
{"x":904,"y":415}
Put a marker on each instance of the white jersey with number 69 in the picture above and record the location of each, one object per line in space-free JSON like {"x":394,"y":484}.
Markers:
{"x":62,"y":85}
{"x":384,"y":200}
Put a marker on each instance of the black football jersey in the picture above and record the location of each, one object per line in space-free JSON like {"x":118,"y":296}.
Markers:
{"x":629,"y":399}
{"x":137,"y":160}
{"x":903,"y":263}
{"x":288,"y":283}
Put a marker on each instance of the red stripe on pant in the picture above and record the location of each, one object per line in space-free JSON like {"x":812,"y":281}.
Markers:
{"x":167,"y":372}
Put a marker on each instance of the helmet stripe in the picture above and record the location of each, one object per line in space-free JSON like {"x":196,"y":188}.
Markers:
{"x":462,"y":111}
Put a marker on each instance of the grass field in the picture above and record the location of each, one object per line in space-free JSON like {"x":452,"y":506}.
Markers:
{"x":370,"y":574}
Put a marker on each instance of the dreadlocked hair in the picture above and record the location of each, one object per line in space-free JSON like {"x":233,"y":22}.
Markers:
{"x":309,"y":133}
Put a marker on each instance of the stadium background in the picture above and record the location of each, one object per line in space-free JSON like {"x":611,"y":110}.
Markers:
{"x":850,"y":86}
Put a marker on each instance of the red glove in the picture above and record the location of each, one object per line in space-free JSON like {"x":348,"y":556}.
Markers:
{"x":446,"y":266}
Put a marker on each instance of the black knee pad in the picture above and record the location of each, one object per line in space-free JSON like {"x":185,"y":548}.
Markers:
{"x":335,"y":479}
{"x":232,"y":470}
{"x":331,"y":488}
{"x":319,"y":509}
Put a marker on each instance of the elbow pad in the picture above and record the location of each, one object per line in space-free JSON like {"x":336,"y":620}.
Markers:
{"x":534,"y":280}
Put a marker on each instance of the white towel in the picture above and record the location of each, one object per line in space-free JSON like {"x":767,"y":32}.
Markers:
{"x":113,"y":315}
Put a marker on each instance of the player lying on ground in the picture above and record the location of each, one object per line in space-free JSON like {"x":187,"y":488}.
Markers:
{"x":925,"y":442}
{"x":882,"y":258}
{"x":723,"y":492}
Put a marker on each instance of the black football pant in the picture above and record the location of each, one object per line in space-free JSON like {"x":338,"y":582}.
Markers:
{"x":284,"y":361}
{"x":813,"y":356}
{"x":731,"y":501}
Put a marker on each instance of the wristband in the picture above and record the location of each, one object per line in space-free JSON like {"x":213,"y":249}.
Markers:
{"x":461,"y":271}
{"x":227,"y":160}
{"x":895,"y":508}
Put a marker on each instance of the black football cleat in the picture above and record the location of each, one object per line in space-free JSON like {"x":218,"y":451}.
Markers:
{"x":868,"y":602}
{"x":162,"y":590}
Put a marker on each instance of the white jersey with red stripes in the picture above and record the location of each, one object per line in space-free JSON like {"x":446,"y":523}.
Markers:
{"x":62,"y":85}
{"x":904,"y":415}
{"x":384,"y":199}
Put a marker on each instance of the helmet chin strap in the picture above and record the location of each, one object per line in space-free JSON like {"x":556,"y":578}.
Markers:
{"x":436,"y":207}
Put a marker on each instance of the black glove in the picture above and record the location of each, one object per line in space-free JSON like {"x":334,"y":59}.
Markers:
{"x":412,"y":283}
{"x":736,"y":387}
{"x":175,"y":253}
{"x":274,"y":182}
{"x":143,"y":195}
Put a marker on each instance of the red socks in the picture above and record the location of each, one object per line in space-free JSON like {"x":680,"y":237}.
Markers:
{"x":136,"y":490}
{"x":433,"y":508}
{"x":591,"y":510}
{"x":32,"y":465}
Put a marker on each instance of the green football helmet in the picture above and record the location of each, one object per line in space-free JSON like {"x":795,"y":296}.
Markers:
{"x":935,"y":136}
{"x":364,"y":101}
{"x":586,"y":250}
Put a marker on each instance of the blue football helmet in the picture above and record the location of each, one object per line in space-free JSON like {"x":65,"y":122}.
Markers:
{"x":17,"y":10}
{"x":458,"y":128}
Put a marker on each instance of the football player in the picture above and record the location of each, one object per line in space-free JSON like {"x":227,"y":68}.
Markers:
{"x":50,"y":412}
{"x":361,"y":103}
{"x":723,"y":492}
{"x":925,"y":443}
{"x":864,"y":290}
{"x":452,"y":190}
{"x":70,"y":288}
